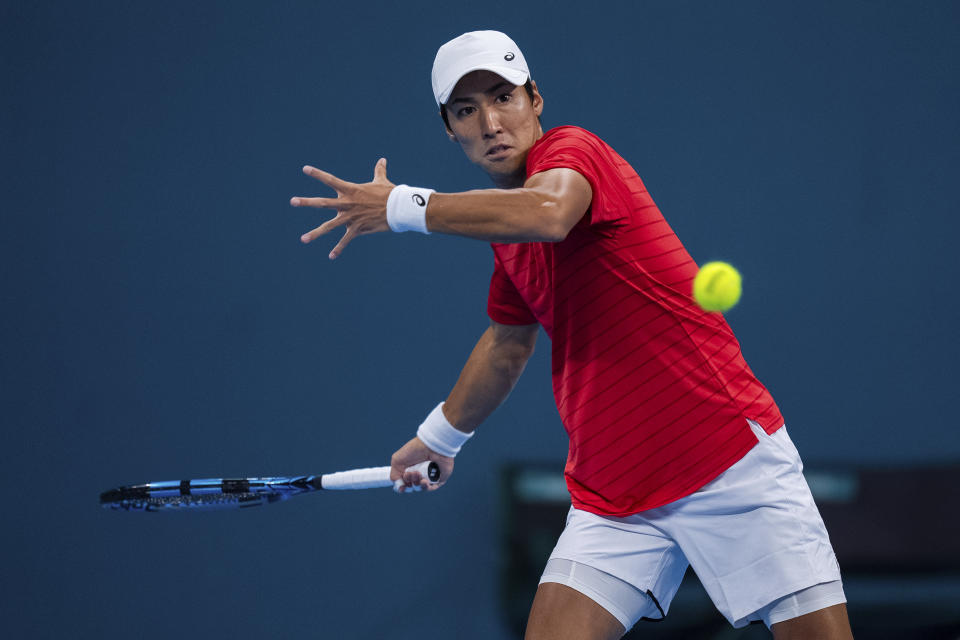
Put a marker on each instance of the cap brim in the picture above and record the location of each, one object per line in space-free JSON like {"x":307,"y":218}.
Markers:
{"x":513,"y":76}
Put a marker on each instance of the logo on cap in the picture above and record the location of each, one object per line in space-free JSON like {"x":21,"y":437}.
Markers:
{"x":509,"y":56}
{"x":418,"y":199}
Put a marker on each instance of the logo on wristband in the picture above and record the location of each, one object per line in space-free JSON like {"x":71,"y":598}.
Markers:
{"x":418,"y":199}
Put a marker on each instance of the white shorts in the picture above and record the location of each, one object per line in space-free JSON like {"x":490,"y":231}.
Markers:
{"x":753,"y":536}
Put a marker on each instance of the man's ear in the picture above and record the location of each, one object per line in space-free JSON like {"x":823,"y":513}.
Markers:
{"x":537,"y":100}
{"x":450,"y":133}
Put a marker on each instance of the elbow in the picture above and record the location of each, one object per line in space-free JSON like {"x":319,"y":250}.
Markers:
{"x":554,"y":225}
{"x":513,"y":361}
{"x":555,"y":231}
{"x":513,"y":369}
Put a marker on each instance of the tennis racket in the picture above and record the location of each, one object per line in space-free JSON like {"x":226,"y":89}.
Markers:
{"x":240,"y":493}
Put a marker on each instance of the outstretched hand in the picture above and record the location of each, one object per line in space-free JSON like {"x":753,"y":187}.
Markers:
{"x":361,"y":208}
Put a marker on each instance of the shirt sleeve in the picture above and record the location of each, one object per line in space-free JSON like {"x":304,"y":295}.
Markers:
{"x":505,"y":305}
{"x":577,"y":149}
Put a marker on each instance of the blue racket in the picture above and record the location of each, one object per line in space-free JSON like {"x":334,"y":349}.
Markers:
{"x":239,"y":493}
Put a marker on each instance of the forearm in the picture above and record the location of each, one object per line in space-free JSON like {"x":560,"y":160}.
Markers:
{"x":487,"y":379}
{"x":498,"y":215}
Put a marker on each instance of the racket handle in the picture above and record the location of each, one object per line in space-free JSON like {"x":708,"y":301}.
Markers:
{"x":374,"y":477}
{"x":428,"y":470}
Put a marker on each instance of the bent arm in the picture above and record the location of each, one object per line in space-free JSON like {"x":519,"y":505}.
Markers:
{"x":548,"y":205}
{"x":490,"y":374}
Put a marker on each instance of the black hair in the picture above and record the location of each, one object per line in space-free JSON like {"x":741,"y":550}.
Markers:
{"x":446,"y":119}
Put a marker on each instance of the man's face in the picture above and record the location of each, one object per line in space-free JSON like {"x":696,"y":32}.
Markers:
{"x":495,"y":123}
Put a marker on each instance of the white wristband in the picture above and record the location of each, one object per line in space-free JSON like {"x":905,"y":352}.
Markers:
{"x":440,"y":436}
{"x":407,"y":208}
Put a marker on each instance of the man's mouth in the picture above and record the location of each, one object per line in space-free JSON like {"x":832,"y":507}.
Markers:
{"x":497,"y":149}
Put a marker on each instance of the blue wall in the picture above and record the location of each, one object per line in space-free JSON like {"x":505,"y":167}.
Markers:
{"x":161,"y":320}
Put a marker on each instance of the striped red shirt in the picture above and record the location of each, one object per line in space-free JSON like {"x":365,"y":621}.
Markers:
{"x":652,"y":390}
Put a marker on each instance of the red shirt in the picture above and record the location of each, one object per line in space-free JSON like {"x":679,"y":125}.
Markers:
{"x":652,"y":390}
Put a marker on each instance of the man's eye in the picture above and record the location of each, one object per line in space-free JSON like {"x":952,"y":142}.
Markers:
{"x":465,"y":111}
{"x":504,"y":98}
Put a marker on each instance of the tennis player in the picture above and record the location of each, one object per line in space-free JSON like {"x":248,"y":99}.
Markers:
{"x":678,"y":454}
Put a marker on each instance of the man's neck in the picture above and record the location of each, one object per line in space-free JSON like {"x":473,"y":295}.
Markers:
{"x":513,"y":180}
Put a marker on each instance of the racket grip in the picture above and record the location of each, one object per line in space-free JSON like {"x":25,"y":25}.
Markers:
{"x":373,"y":477}
{"x":429,"y":470}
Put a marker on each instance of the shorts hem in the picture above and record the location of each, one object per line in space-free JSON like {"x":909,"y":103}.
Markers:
{"x":594,"y":595}
{"x":810,"y":607}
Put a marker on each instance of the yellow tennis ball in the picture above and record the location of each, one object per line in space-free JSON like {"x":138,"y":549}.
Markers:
{"x":717,"y":286}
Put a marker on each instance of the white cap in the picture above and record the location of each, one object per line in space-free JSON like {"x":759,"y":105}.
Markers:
{"x":473,"y":51}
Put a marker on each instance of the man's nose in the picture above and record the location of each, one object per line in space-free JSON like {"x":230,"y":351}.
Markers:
{"x":490,"y":122}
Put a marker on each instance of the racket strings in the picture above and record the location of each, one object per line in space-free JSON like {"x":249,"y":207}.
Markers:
{"x":208,"y":501}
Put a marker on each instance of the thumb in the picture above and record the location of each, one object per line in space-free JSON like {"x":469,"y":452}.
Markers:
{"x":380,"y":171}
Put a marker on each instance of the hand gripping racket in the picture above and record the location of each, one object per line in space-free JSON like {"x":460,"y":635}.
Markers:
{"x":240,"y":493}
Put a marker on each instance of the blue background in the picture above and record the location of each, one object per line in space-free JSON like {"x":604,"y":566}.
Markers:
{"x":161,"y":320}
